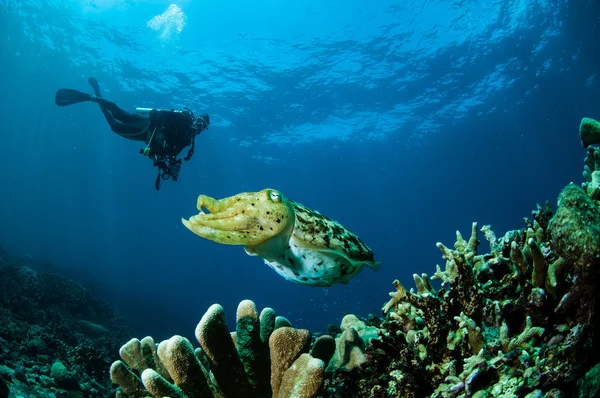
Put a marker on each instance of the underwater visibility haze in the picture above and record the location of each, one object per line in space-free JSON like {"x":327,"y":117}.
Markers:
{"x":403,"y":121}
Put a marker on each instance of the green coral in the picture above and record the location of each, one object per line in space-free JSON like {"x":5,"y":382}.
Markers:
{"x":591,"y":173}
{"x":589,"y":132}
{"x":524,"y":339}
{"x":476,"y":338}
{"x":554,"y":269}
{"x":540,"y":267}
{"x":575,"y":229}
{"x":589,"y":385}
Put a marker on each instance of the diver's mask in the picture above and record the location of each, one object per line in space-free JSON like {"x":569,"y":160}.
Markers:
{"x":201,"y":122}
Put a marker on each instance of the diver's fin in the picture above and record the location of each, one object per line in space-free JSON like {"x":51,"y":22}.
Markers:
{"x":67,"y":96}
{"x":95,"y":86}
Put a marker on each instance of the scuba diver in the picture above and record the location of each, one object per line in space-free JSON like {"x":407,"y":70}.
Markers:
{"x":165,"y":132}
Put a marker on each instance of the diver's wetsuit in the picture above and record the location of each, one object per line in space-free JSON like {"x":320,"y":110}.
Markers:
{"x":127,"y":125}
{"x":150,"y":129}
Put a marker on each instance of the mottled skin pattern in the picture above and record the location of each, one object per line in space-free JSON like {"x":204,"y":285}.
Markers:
{"x":300,"y":244}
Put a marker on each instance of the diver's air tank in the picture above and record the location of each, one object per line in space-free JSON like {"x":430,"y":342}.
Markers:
{"x":145,"y":112}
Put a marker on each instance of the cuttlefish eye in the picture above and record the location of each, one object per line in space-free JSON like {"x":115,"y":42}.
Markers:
{"x":275,"y":197}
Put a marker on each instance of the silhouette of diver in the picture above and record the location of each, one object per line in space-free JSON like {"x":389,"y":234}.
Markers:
{"x":165,"y":132}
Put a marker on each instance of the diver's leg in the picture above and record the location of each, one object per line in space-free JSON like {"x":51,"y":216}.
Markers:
{"x":131,"y":132}
{"x":117,"y":113}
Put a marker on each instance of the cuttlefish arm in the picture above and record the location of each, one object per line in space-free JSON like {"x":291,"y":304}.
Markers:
{"x":249,"y":218}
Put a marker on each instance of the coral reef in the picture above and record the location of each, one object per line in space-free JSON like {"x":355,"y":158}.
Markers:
{"x":55,"y":338}
{"x":519,"y":321}
{"x":264,"y":357}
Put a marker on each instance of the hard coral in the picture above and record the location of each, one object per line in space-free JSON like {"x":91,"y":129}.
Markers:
{"x":589,"y":132}
{"x":518,"y":321}
{"x":575,"y":229}
{"x":55,"y":337}
{"x":264,"y":360}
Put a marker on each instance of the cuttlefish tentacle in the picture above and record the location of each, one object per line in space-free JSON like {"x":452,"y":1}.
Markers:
{"x":213,"y":205}
{"x":221,"y":208}
{"x":234,"y":237}
{"x":235,"y":222}
{"x":249,"y":218}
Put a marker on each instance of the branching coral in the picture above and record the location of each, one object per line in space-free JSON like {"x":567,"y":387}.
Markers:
{"x":516,"y":321}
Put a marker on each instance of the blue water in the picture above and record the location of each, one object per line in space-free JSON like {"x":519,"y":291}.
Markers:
{"x":404,"y":121}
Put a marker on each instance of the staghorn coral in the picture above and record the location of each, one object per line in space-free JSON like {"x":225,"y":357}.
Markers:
{"x":261,"y":360}
{"x":518,"y":321}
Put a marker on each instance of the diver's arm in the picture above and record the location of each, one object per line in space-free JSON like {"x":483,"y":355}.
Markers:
{"x":191,"y":151}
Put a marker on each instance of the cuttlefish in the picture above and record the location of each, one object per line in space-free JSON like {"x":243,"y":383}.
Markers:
{"x":300,"y":244}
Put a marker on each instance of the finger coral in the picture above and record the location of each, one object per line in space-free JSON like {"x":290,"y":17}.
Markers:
{"x":259,"y":360}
